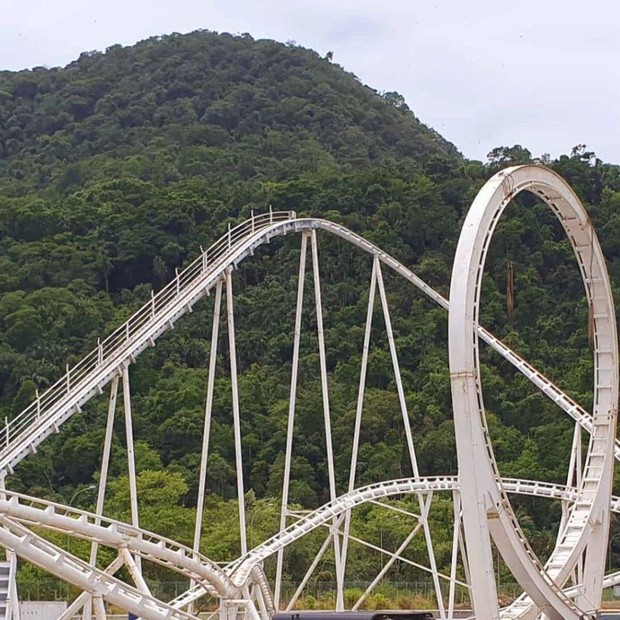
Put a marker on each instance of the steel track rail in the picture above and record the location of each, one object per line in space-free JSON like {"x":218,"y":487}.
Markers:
{"x":241,"y":568}
{"x":486,"y":509}
{"x":50,"y":410}
{"x":116,"y":534}
{"x":44,"y":416}
{"x":81,"y":574}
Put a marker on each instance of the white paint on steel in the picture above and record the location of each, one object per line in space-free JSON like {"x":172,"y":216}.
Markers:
{"x":13,"y":609}
{"x":315,"y":562}
{"x":397,"y":555}
{"x":44,"y":416}
{"x":486,"y":509}
{"x":359,"y":407}
{"x":240,"y":568}
{"x":79,"y":573}
{"x":367,"y":494}
{"x":133,"y":570}
{"x":100,"y":612}
{"x":424,"y":503}
{"x":113,"y":355}
{"x":85,"y":599}
{"x":131,"y":461}
{"x":232,"y":354}
{"x":290,"y":424}
{"x":331,"y":471}
{"x":225,"y":582}
{"x":105,"y":460}
{"x":117,"y":534}
{"x":456,"y":533}
{"x":206,"y":433}
{"x":65,"y":397}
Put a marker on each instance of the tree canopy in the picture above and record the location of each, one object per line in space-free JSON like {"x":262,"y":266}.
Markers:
{"x":114,"y":171}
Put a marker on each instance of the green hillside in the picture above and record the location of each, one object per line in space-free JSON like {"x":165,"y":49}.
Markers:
{"x":114,"y":171}
{"x":198,"y":105}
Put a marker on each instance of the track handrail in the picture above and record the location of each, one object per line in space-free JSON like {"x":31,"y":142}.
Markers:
{"x":116,"y":345}
{"x":229,"y":250}
{"x":176,"y":299}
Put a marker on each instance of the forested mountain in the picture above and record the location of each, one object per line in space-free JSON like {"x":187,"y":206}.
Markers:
{"x":114,"y":171}
{"x":183,"y":99}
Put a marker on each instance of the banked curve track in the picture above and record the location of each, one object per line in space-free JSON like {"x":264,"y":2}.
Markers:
{"x":229,"y":580}
{"x":57,"y":404}
{"x":51,"y":409}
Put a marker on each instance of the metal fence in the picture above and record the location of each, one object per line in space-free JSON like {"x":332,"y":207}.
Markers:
{"x":317,"y":593}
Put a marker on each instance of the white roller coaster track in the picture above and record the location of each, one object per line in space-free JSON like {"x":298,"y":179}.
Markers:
{"x":117,"y":534}
{"x":57,"y":404}
{"x":587,"y":518}
{"x":241,"y":568}
{"x":486,"y":509}
{"x":81,"y":574}
{"x":228,"y":581}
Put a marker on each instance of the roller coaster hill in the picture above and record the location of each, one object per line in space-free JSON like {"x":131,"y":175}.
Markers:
{"x":485,"y":530}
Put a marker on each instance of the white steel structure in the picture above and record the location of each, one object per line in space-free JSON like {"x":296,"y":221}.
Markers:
{"x":568,"y":585}
{"x":486,"y":509}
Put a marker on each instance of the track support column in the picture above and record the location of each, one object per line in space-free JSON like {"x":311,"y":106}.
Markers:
{"x":236,"y":412}
{"x":291,"y":411}
{"x":103,"y":478}
{"x":206,"y":434}
{"x":131,"y":459}
{"x":327,"y":416}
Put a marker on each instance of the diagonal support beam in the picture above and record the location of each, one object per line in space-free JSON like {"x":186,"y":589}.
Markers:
{"x":317,"y":558}
{"x":236,"y":412}
{"x":206,"y":434}
{"x":131,"y":459}
{"x":290,"y":427}
{"x":358,"y":412}
{"x":409,"y":435}
{"x":84,"y":599}
{"x":103,"y":476}
{"x":326,"y":414}
{"x":381,"y":574}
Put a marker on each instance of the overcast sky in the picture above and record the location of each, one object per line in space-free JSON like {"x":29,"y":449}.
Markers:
{"x":541,"y":73}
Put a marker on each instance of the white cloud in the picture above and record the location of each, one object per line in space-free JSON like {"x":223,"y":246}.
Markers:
{"x":542,"y":74}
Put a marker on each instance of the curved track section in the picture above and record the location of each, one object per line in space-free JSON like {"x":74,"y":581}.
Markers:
{"x":21,"y":435}
{"x":228,"y":582}
{"x":486,"y":509}
{"x":111,"y":359}
{"x":241,"y":568}
{"x":118,"y":535}
{"x":79,"y":573}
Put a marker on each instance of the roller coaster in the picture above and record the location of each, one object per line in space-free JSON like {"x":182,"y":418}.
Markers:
{"x":566,"y":586}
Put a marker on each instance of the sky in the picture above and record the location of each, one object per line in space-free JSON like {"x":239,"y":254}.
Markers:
{"x":544,"y":74}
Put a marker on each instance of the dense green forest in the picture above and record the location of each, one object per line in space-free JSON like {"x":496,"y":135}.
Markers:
{"x":115,"y":170}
